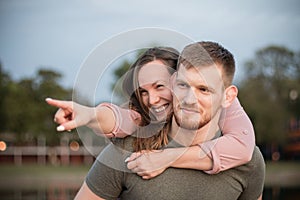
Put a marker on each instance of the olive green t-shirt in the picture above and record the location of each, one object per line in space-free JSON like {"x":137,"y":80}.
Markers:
{"x":109,"y":178}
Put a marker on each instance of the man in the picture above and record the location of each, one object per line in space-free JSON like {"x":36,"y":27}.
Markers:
{"x":202,"y":86}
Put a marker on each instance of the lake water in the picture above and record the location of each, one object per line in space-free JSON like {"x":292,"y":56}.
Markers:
{"x":41,"y":194}
{"x":65,"y":193}
{"x":277,"y":193}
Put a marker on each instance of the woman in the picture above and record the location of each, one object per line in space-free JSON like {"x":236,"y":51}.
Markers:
{"x":148,"y":86}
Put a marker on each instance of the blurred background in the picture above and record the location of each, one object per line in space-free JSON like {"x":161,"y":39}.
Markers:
{"x":43,"y":44}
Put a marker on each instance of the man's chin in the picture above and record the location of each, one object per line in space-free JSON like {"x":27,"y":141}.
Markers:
{"x":189,"y":125}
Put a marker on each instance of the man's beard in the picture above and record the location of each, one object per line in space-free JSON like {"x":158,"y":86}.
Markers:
{"x":186,"y":123}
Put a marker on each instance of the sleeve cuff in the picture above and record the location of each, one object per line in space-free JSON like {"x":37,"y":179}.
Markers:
{"x":125,"y":119}
{"x":207,"y":149}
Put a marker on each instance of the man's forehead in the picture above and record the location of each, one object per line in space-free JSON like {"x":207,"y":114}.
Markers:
{"x":211,"y":72}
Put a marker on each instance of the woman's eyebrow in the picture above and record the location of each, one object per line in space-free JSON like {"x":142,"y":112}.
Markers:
{"x":158,"y":82}
{"x":142,"y":89}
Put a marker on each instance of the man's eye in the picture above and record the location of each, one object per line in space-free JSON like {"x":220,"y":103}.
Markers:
{"x":182,"y":85}
{"x":205,"y":90}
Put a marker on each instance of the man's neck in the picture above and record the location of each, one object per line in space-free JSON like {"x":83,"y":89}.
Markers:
{"x":193,"y":137}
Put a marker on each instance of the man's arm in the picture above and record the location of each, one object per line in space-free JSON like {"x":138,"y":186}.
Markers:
{"x":260,"y":197}
{"x":255,"y":179}
{"x":105,"y":178}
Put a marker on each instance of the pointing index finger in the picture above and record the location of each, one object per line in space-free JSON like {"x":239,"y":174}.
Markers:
{"x":58,"y":103}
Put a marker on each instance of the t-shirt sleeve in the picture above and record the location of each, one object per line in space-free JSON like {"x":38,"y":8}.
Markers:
{"x":103,"y":181}
{"x":127,"y":120}
{"x":255,"y":183}
{"x":236,"y":145}
{"x":105,"y":178}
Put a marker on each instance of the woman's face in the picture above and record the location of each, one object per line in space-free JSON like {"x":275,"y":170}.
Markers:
{"x":154,"y":83}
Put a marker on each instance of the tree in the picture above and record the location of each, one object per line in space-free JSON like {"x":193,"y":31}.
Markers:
{"x":120,"y":71}
{"x":47,"y":85}
{"x":26,"y":113}
{"x":4,"y":82}
{"x":271,"y":76}
{"x":118,"y":76}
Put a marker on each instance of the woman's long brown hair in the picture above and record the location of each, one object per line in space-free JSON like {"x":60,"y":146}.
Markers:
{"x":149,"y":135}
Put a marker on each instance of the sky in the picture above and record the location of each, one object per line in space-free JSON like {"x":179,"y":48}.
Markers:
{"x":62,"y":34}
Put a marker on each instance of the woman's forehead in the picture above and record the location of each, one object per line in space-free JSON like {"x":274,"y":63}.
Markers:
{"x":153,"y":72}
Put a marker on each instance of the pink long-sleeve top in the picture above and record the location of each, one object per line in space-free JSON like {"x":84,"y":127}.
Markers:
{"x":232,"y":149}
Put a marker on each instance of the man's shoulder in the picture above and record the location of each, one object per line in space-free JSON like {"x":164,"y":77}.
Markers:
{"x":125,"y":143}
{"x":255,"y":165}
{"x":117,"y":151}
{"x":257,"y":158}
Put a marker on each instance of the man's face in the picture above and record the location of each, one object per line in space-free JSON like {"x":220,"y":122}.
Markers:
{"x":198,"y":94}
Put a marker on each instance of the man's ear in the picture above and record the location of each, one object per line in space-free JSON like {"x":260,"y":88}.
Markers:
{"x":231,"y":93}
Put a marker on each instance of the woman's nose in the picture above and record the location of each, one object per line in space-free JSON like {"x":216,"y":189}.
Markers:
{"x":153,"y":98}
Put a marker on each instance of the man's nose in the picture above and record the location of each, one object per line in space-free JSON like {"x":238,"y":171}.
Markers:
{"x":190,"y":97}
{"x":153,"y":98}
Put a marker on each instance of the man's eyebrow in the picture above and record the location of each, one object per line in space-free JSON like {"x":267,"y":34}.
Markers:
{"x":199,"y":86}
{"x":180,"y":79}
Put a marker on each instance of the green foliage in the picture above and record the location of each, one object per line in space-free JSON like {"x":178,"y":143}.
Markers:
{"x":266,"y":93}
{"x":118,"y":76}
{"x":4,"y":81}
{"x":120,"y":71}
{"x":25,"y":113}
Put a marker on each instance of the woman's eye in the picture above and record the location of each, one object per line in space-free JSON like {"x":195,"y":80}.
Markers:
{"x":160,"y":86}
{"x":144,"y":93}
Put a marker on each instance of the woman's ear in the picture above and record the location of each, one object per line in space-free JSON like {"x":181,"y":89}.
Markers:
{"x":231,"y":93}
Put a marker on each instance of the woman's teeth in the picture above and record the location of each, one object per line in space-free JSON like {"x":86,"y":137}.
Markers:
{"x":160,"y":109}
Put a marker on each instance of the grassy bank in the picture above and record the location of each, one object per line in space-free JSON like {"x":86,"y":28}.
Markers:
{"x":35,"y":176}
{"x":284,"y":174}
